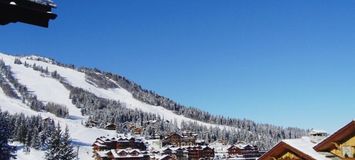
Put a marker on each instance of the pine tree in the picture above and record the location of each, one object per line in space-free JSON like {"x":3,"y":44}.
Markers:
{"x":66,"y":148}
{"x":28,"y":138}
{"x":36,"y":141}
{"x":5,"y":150}
{"x":46,"y":133}
{"x":54,"y":141}
{"x":21,"y":131}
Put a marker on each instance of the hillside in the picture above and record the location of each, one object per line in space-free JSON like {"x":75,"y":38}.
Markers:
{"x":35,"y":85}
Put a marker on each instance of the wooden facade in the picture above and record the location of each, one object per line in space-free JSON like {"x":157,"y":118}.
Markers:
{"x":173,"y":139}
{"x":200,"y":152}
{"x":110,"y":126}
{"x":104,"y":144}
{"x":180,"y":140}
{"x":244,"y":150}
{"x":190,"y":153}
{"x":177,"y":153}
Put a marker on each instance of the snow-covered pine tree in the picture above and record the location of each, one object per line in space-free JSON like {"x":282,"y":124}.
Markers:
{"x":36,"y":141}
{"x":28,"y":138}
{"x":66,"y":149}
{"x":5,"y":150}
{"x":54,"y":145}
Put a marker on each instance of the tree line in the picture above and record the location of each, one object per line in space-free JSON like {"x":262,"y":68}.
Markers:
{"x":35,"y":132}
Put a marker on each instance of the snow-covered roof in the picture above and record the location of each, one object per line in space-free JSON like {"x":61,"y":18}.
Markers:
{"x":242,"y":145}
{"x":159,"y":157}
{"x":119,"y":138}
{"x":114,"y":153}
{"x":100,"y":145}
{"x":102,"y":153}
{"x":317,"y":131}
{"x":44,"y":2}
{"x":128,"y":150}
{"x":305,"y":145}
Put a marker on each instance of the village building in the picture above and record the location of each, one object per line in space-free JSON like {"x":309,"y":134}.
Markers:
{"x":172,"y":139}
{"x":189,"y":152}
{"x":244,"y":150}
{"x":104,"y":143}
{"x":177,"y":153}
{"x":200,"y":152}
{"x":110,"y":126}
{"x":186,"y":139}
{"x":91,"y":123}
{"x":338,"y":146}
{"x":103,"y":147}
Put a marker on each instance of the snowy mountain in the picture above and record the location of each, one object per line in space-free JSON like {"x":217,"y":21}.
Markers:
{"x":35,"y":85}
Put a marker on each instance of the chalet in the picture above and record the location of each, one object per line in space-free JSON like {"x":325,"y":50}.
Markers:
{"x":110,"y":126}
{"x":176,"y":152}
{"x":137,"y":130}
{"x":103,"y":145}
{"x":35,"y":12}
{"x":200,"y":152}
{"x":338,"y":146}
{"x":123,"y":143}
{"x":173,"y":139}
{"x":186,"y":139}
{"x":244,"y":150}
{"x":207,"y":152}
{"x":91,"y":123}
{"x":181,"y":153}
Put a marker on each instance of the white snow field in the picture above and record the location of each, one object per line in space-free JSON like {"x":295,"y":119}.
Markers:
{"x":48,"y":89}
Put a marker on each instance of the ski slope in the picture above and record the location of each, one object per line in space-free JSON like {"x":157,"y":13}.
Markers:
{"x":81,"y":135}
{"x":35,"y":82}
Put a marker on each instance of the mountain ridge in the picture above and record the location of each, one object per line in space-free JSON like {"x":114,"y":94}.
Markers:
{"x":91,"y":94}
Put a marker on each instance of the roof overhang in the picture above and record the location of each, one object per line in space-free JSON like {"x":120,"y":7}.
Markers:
{"x":12,"y":11}
{"x":282,"y":148}
{"x":339,"y":136}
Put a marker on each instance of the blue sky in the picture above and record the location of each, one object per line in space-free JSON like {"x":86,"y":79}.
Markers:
{"x":288,"y":63}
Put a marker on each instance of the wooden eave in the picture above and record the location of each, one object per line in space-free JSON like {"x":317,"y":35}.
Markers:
{"x":12,"y":11}
{"x":339,"y":136}
{"x":282,"y":148}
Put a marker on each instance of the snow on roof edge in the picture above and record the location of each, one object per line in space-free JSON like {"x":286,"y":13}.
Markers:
{"x":305,"y":145}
